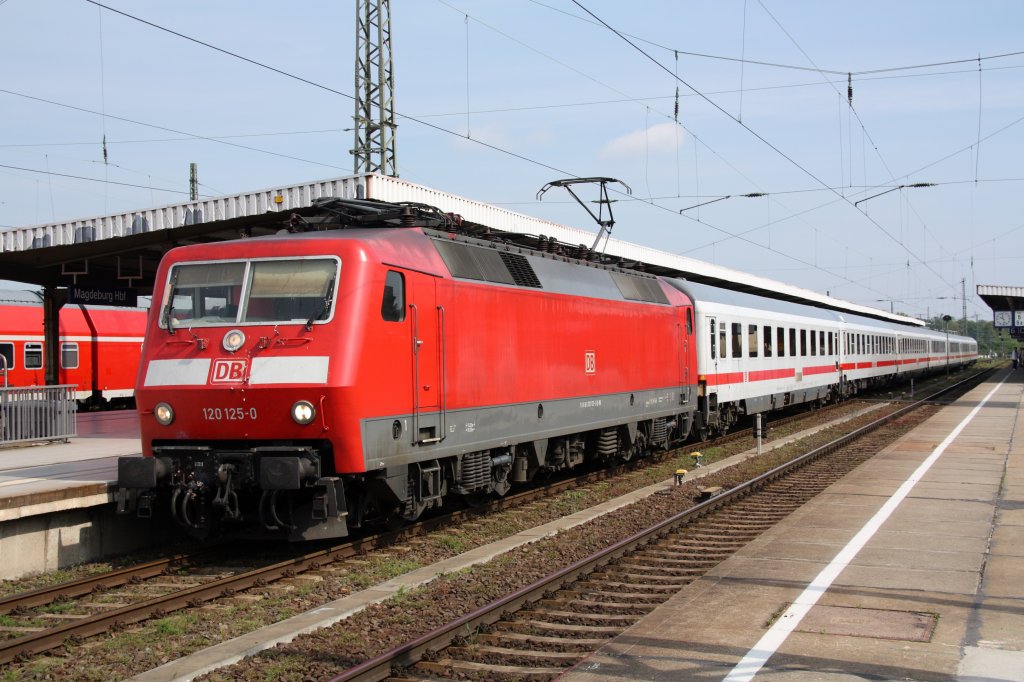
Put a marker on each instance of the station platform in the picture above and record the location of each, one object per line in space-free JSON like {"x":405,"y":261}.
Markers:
{"x":54,"y":497}
{"x":911,"y":567}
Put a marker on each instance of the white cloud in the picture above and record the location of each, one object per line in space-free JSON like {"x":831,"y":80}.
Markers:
{"x":658,"y":140}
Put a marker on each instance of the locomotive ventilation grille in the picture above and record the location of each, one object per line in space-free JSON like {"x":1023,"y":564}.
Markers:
{"x":520,"y":268}
{"x":474,"y":262}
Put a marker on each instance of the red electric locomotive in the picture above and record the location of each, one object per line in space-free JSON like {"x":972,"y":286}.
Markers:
{"x":313,"y":382}
{"x":99,"y":347}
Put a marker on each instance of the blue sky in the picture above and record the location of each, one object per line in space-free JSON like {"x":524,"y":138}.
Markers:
{"x":545,"y":81}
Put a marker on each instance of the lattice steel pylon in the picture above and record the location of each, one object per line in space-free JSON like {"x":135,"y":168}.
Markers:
{"x":374,"y":150}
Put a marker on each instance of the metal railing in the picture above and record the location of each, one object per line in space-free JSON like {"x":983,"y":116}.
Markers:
{"x":37,"y":413}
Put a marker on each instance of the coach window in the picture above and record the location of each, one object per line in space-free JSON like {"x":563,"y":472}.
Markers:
{"x":714,"y":334}
{"x":721,"y":340}
{"x":831,"y":344}
{"x":767,"y":341}
{"x":780,"y":341}
{"x":752,"y":340}
{"x":7,"y":352}
{"x":821,"y":342}
{"x":803,"y":343}
{"x":792,"y":342}
{"x":69,"y":355}
{"x":392,"y":307}
{"x":737,"y":340}
{"x":814,"y":342}
{"x":33,"y":356}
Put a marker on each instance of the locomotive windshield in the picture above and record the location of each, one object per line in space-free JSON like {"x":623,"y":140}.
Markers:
{"x":278,"y":291}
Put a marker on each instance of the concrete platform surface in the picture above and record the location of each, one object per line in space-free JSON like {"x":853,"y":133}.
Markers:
{"x":910,"y":568}
{"x":46,"y":477}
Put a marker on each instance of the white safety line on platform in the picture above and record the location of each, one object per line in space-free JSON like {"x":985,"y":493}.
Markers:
{"x":758,"y":656}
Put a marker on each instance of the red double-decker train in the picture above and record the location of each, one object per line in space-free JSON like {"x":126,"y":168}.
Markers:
{"x":99,"y":353}
{"x":310,"y":383}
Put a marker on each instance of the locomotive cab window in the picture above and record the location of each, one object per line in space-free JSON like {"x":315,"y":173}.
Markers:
{"x":33,"y":356}
{"x":69,"y":355}
{"x":392,"y":306}
{"x":7,"y":353}
{"x":279,"y":291}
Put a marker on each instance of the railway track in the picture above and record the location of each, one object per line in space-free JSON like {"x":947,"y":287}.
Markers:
{"x":542,"y":629}
{"x":46,"y":618}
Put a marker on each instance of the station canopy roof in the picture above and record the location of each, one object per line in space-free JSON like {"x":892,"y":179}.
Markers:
{"x":123,"y":250}
{"x":1007,"y":304}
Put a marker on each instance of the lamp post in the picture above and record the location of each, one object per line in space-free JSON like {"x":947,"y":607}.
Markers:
{"x":945,"y":328}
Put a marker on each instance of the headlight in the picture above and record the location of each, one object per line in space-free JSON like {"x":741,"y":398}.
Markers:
{"x":164,"y":413}
{"x":233,"y":340}
{"x":303,"y":412}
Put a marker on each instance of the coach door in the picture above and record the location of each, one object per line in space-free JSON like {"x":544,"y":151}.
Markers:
{"x":428,"y":353}
{"x":713,"y":350}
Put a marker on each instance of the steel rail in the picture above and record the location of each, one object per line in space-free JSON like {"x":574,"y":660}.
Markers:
{"x":34,"y":643}
{"x":119,"y":577}
{"x":380,"y":667}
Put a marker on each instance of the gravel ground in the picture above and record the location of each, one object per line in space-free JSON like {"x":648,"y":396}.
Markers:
{"x":327,"y":652}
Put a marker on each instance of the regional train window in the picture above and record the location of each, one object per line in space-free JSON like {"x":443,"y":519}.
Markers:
{"x":792,"y":342}
{"x":737,"y":340}
{"x":7,"y":352}
{"x":714,"y":334}
{"x":780,"y":341}
{"x":69,"y":355}
{"x":767,"y":341}
{"x":392,"y":307}
{"x":752,"y":340}
{"x":803,"y":343}
{"x":33,"y":356}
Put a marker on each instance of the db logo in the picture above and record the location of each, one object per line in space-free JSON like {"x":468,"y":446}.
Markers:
{"x":590,"y":362}
{"x":228,"y":371}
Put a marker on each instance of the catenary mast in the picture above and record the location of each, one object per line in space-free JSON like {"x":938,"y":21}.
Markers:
{"x":374,"y":150}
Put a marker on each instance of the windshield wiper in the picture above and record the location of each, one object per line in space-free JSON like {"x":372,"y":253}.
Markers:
{"x":325,"y":307}
{"x":165,"y":314}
